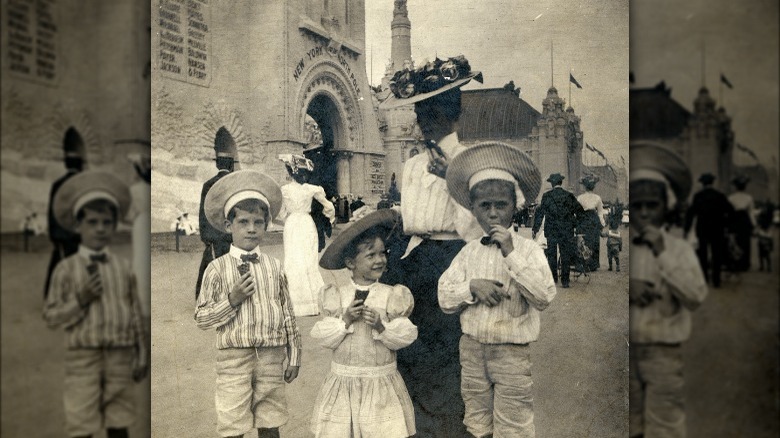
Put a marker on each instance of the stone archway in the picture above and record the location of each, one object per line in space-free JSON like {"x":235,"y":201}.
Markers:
{"x":328,"y":98}
{"x":325,"y":113}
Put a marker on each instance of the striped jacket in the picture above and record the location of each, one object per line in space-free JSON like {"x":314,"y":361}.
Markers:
{"x":265,"y":319}
{"x":113,"y":320}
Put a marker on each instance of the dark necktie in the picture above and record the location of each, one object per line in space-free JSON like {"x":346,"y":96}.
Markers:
{"x":251,"y":257}
{"x":98,"y":258}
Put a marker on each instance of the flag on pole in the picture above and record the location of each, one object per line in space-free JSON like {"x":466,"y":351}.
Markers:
{"x":726,"y":81}
{"x":574,"y":81}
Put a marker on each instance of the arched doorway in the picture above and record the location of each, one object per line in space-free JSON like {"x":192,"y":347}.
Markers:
{"x":323,"y":110}
{"x":73,"y":144}
{"x":224,"y":142}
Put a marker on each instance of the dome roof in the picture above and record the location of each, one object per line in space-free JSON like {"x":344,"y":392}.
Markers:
{"x":495,"y":113}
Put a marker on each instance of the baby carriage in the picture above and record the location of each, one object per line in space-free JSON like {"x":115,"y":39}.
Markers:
{"x":579,"y":263}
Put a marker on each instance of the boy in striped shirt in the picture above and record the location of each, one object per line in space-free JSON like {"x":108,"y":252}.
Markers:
{"x":93,"y":296}
{"x":499,"y":283}
{"x":244,"y":296}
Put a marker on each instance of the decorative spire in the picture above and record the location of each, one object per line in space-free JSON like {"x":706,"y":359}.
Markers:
{"x":401,"y":29}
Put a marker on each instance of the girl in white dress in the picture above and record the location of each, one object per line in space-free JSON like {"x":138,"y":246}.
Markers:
{"x":300,"y":234}
{"x":364,"y":323}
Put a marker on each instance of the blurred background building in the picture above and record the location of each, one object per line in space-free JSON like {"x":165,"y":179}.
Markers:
{"x":75,"y":77}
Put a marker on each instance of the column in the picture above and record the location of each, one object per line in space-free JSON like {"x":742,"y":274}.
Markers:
{"x":343,"y":184}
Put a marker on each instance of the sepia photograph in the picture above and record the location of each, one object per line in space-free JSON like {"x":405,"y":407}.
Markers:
{"x":704,"y":215}
{"x":75,"y":191}
{"x":389,"y":218}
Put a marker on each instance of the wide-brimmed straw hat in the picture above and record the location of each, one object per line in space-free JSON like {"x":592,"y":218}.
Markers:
{"x":410,"y":86}
{"x":333,"y":257}
{"x":237,"y":186}
{"x":492,"y":160}
{"x":658,"y":158}
{"x":85,"y":187}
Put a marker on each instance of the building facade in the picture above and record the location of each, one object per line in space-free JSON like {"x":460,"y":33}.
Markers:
{"x":703,"y":138}
{"x":259,"y":73}
{"x":75,"y":77}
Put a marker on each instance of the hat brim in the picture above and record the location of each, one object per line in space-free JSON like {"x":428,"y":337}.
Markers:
{"x":235,"y":182}
{"x":333,"y":257}
{"x":555,"y":179}
{"x":492,"y":155}
{"x":654,"y":156}
{"x":394,"y":102}
{"x":81,"y":184}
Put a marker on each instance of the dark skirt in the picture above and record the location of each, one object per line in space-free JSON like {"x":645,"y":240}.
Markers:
{"x":430,"y":366}
{"x":742,"y":227}
{"x":590,"y":227}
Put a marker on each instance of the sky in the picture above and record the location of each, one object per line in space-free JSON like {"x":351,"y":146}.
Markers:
{"x":510,"y":40}
{"x":740,"y":41}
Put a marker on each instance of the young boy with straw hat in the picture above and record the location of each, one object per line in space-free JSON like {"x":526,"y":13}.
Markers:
{"x":666,"y":283}
{"x":499,"y":284}
{"x":93,"y":295}
{"x":244,"y":296}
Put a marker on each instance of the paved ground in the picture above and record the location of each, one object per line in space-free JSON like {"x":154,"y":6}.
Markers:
{"x":32,"y":355}
{"x":580,"y":361}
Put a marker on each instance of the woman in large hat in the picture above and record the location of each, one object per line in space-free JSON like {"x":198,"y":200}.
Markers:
{"x":437,"y":227}
{"x":742,"y":222}
{"x":592,"y":221}
{"x":300,"y":234}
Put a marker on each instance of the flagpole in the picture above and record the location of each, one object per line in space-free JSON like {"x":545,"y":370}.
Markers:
{"x":570,"y":106}
{"x":703,"y":65}
{"x":552,"y":68}
{"x":720,"y":92}
{"x":371,"y":81}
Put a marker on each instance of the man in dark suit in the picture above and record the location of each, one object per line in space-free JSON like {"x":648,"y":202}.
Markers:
{"x":217,"y":243}
{"x":713,"y":211}
{"x":65,"y":242}
{"x":560,"y":210}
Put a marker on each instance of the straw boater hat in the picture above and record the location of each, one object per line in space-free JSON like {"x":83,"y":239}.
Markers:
{"x":89,"y":186}
{"x":653,"y":161}
{"x":410,"y":86}
{"x":493,"y":160}
{"x":238,"y":186}
{"x":333,"y":257}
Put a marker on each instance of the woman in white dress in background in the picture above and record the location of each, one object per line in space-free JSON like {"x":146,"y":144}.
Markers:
{"x":300,"y":234}
{"x":593,"y":221}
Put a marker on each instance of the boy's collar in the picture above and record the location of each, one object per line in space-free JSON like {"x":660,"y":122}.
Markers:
{"x":236,"y":252}
{"x":86,"y":252}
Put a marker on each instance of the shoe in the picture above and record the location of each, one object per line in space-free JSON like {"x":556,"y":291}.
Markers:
{"x":618,"y":269}
{"x":610,"y":268}
{"x":565,"y":285}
